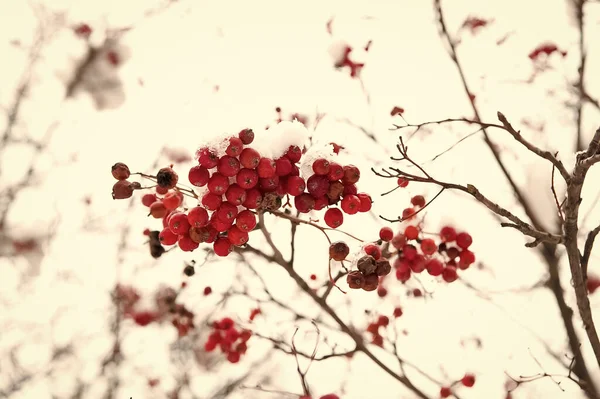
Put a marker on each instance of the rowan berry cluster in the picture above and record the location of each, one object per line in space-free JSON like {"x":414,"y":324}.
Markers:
{"x":229,"y":339}
{"x":373,"y":329}
{"x":238,"y":184}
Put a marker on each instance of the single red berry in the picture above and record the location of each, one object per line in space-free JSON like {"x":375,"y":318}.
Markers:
{"x":179,"y":224}
{"x":218,"y":184}
{"x":351,"y":174}
{"x":402,"y":182}
{"x":449,"y":274}
{"x":172,"y":200}
{"x":355,"y":280}
{"x":294,"y":153}
{"x":592,"y":284}
{"x":249,"y":158}
{"x":222,"y":246}
{"x":452,"y":252}
{"x":371,"y":282}
{"x":334,"y":218}
{"x":253,"y":199}
{"x":351,"y":204}
{"x":411,"y":232}
{"x":317,"y":185}
{"x":211,"y":201}
{"x":445,"y":392}
{"x":428,"y":246}
{"x":233,"y":357}
{"x":464,"y":240}
{"x":227,"y":212}
{"x":206,"y":234}
{"x":247,"y":136}
{"x":386,"y":234}
{"x":350,"y":189}
{"x":418,"y":200}
{"x":219,"y":224}
{"x":207,"y":291}
{"x":336,"y":171}
{"x":338,"y":250}
{"x":373,"y":250}
{"x":228,"y":166}
{"x":207,"y":158}
{"x":166,"y":237}
{"x":418,"y":263}
{"x":466,"y":259}
{"x":304,"y":203}
{"x":365,"y":202}
{"x":122,"y":189}
{"x":313,"y":277}
{"x":247,"y":178}
{"x":434,"y":267}
{"x":120,"y":171}
{"x":281,"y":189}
{"x":408,"y":213}
{"x":283,"y":166}
{"x":397,"y":311}
{"x":321,"y":203}
{"x":266,"y":168}
{"x":167,"y":178}
{"x":235,"y":194}
{"x":403,"y":275}
{"x":382,"y":291}
{"x":269,"y":184}
{"x":409,"y":252}
{"x":295,"y":185}
{"x":149,"y":199}
{"x":448,"y":234}
{"x":198,"y":217}
{"x":83,"y":30}
{"x":468,"y":380}
{"x":158,"y":210}
{"x":237,"y":236}
{"x":335,"y":191}
{"x":161,"y":190}
{"x":383,"y":321}
{"x":398,"y":241}
{"x":235,"y":147}
{"x":144,"y":318}
{"x":198,"y":176}
{"x":321,"y":166}
{"x":245,"y":221}
{"x":186,"y":244}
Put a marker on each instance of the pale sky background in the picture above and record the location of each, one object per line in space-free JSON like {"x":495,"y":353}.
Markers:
{"x":260,"y":55}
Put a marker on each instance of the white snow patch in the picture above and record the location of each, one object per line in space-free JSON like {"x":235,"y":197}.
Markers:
{"x":316,"y":151}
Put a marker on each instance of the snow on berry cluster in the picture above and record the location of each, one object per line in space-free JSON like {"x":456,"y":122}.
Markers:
{"x":238,"y":180}
{"x":408,"y":251}
{"x":229,"y":339}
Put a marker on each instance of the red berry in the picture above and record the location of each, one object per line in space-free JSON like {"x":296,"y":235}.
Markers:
{"x":207,"y":291}
{"x":365,"y":202}
{"x":120,"y":171}
{"x":351,"y":204}
{"x":245,"y":221}
{"x":167,"y":178}
{"x":334,"y":218}
{"x":158,"y":210}
{"x":428,"y":246}
{"x":321,"y":166}
{"x":227,"y":212}
{"x":409,"y":252}
{"x":283,"y":166}
{"x":403,"y":275}
{"x":398,"y":241}
{"x":198,"y":176}
{"x":417,"y":263}
{"x":211,"y":201}
{"x":448,"y":234}
{"x":317,"y":185}
{"x":161,"y":190}
{"x":198,"y":217}
{"x":445,"y":392}
{"x":382,"y":291}
{"x":122,"y":189}
{"x":408,"y":214}
{"x":269,"y":184}
{"x":172,"y":200}
{"x":434,"y":267}
{"x":402,"y":182}
{"x":233,"y":357}
{"x":249,"y":158}
{"x":373,"y":250}
{"x":336,"y":171}
{"x":468,"y":380}
{"x":235,"y":194}
{"x":178,"y":223}
{"x":207,"y":158}
{"x":235,"y":147}
{"x":383,"y":320}
{"x":186,"y":244}
{"x":294,"y":153}
{"x":452,"y":252}
{"x":218,"y":184}
{"x":397,"y":311}
{"x":330,"y":396}
{"x":338,"y":250}
{"x":335,"y":191}
{"x":321,"y":203}
{"x":253,"y":199}
{"x":206,"y":234}
{"x":236,"y":236}
{"x":313,"y":277}
{"x":464,"y":240}
{"x":247,"y":136}
{"x":351,"y":174}
{"x":386,"y":234}
{"x":295,"y":185}
{"x":149,"y":199}
{"x":228,"y":166}
{"x":222,"y":246}
{"x":304,"y":202}
{"x":167,"y":237}
{"x":266,"y":168}
{"x":355,"y":280}
{"x":247,"y":178}
{"x":350,"y":189}
{"x":418,"y":200}
{"x":449,"y":274}
{"x":411,"y":232}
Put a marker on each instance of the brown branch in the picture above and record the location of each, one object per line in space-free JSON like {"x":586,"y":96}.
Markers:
{"x":587,"y":251}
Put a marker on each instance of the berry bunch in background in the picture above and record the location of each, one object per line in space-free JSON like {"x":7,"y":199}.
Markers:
{"x":373,"y":329}
{"x":229,"y":339}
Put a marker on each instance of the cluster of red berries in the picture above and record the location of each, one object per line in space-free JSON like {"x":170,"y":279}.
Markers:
{"x":239,"y":183}
{"x":231,"y":341}
{"x":468,"y":381}
{"x":371,"y":267}
{"x":373,"y":328}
